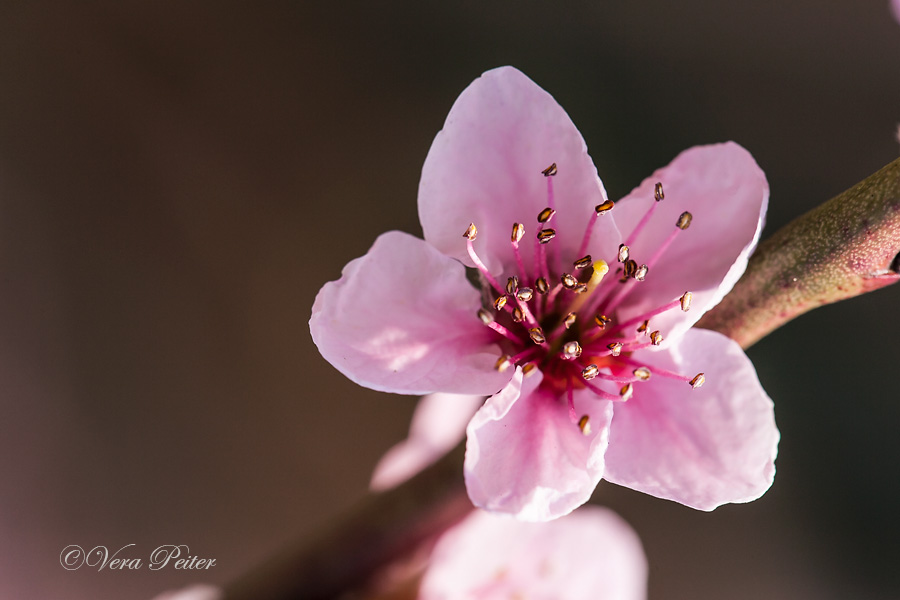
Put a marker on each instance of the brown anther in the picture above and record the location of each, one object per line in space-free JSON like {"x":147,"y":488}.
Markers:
{"x":485,"y":316}
{"x":584,"y":424}
{"x":528,"y":369}
{"x":605,"y":207}
{"x":500,"y":302}
{"x":615,"y":348}
{"x":590,"y":371}
{"x":568,"y":281}
{"x":642,"y":328}
{"x":584,"y":262}
{"x":641,"y":273}
{"x":518,"y":315}
{"x":686,"y":301}
{"x":658,"y":192}
{"x":623,"y":253}
{"x":503,"y":363}
{"x":512,"y":284}
{"x":541,"y":285}
{"x":518,"y":232}
{"x":630,"y":268}
{"x":569,"y":320}
{"x":602,"y":321}
{"x":698,"y":380}
{"x":571,"y":350}
{"x":550,"y":171}
{"x":545,"y":215}
{"x":684,"y":221}
{"x":656,"y":338}
{"x":525,"y":294}
{"x":471,"y":232}
{"x":642,"y":373}
{"x":545,"y":235}
{"x":626,"y":392}
{"x":536,"y":335}
{"x":580,"y":288}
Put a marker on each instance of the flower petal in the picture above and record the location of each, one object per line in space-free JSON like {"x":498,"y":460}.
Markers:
{"x":525,"y":457}
{"x":485,"y":167}
{"x":588,"y":555}
{"x":194,"y":592}
{"x":403,"y":319}
{"x":727,"y":194}
{"x":438,"y":424}
{"x":701,"y":447}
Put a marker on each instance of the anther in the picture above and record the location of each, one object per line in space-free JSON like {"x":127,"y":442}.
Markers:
{"x":571,"y":350}
{"x":604,"y":208}
{"x":485,"y":316}
{"x":471,"y":232}
{"x":525,"y":294}
{"x":686,"y":301}
{"x":518,"y":232}
{"x":642,"y":328}
{"x":512,"y":284}
{"x":623,"y":253}
{"x":517,"y":315}
{"x":698,"y":380}
{"x":615,"y":348}
{"x":545,"y":235}
{"x":642,"y":373}
{"x":626,"y":392}
{"x":584,"y":424}
{"x":503,"y":363}
{"x":569,"y":320}
{"x":684,"y":221}
{"x":656,"y":338}
{"x":541,"y":285}
{"x":528,"y":369}
{"x":536,"y":335}
{"x":641,"y":272}
{"x":590,"y":371}
{"x":602,"y":321}
{"x":500,"y":302}
{"x":658,"y":192}
{"x":584,"y":262}
{"x":580,"y":288}
{"x":568,"y":281}
{"x":550,"y":171}
{"x":545,"y":215}
{"x":630,"y":268}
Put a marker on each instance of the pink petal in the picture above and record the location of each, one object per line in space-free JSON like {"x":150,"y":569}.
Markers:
{"x":485,"y":167}
{"x":525,"y":457}
{"x":895,"y":9}
{"x":403,"y":319}
{"x":590,"y":555}
{"x":194,"y":592}
{"x":701,"y":447}
{"x":727,"y":194}
{"x":438,"y":424}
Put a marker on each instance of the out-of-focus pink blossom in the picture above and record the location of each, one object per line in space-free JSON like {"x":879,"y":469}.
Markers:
{"x":583,"y":318}
{"x":194,"y":592}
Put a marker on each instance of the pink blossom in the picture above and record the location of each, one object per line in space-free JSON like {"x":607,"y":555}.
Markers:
{"x":194,"y":592}
{"x":895,"y":9}
{"x":583,"y":318}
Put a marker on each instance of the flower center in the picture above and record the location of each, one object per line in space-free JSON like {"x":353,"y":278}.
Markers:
{"x":564,"y":321}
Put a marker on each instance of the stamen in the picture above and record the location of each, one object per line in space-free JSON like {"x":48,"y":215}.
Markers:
{"x":584,"y":424}
{"x":568,"y":281}
{"x":569,"y":320}
{"x":602,"y":321}
{"x":642,"y":328}
{"x":590,"y":371}
{"x":642,"y":373}
{"x":512,"y":284}
{"x":528,"y":369}
{"x":536,"y":335}
{"x":615,"y":348}
{"x":571,"y":350}
{"x":517,"y":315}
{"x":470,"y":234}
{"x":485,"y":316}
{"x":602,"y":394}
{"x":686,"y":301}
{"x":623,"y":253}
{"x":658,"y":192}
{"x":545,"y":215}
{"x":698,"y":380}
{"x":499,"y":303}
{"x":626,"y":392}
{"x":525,"y":294}
{"x":503,"y":331}
{"x":641,"y":273}
{"x":550,"y":171}
{"x":518,"y":232}
{"x":631,"y":267}
{"x":541,"y":285}
{"x":545,"y":235}
{"x":644,"y":319}
{"x":580,"y":288}
{"x":600,"y":209}
{"x":684,"y":221}
{"x":656,"y":338}
{"x":658,"y":195}
{"x":503,"y":363}
{"x":584,"y":262}
{"x":605,"y":207}
{"x":600,"y":269}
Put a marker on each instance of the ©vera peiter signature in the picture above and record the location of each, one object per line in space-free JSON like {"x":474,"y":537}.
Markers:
{"x":178,"y":556}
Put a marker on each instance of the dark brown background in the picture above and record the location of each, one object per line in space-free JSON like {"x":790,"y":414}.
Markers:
{"x":178,"y":179}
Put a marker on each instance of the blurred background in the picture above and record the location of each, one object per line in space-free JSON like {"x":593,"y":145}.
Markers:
{"x":178,"y":179}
